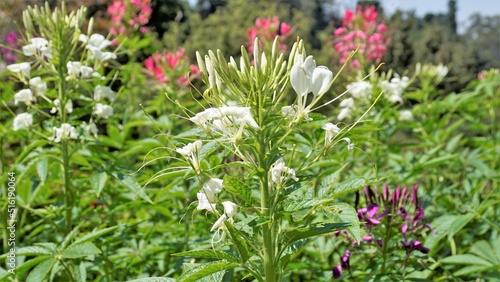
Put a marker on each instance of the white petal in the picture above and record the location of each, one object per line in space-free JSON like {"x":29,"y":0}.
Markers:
{"x":321,"y":79}
{"x":299,"y":80}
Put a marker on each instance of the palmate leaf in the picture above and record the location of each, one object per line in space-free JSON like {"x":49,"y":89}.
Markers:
{"x":348,"y":186}
{"x":239,"y":189}
{"x":208,"y":254}
{"x":326,"y":184}
{"x":312,"y":230}
{"x":342,"y":212}
{"x":205,"y":269}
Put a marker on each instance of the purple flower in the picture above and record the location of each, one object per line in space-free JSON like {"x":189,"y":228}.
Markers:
{"x":11,"y":37}
{"x":344,"y":264}
{"x":415,"y":245}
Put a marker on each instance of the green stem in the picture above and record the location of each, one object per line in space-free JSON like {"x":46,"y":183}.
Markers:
{"x":68,"y":193}
{"x":385,"y":245}
{"x":268,"y":233}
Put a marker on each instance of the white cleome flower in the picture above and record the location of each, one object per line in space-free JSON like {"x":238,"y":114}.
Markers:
{"x":212,"y":187}
{"x":405,"y":115}
{"x":77,"y":70}
{"x":23,"y":120}
{"x":25,"y":96}
{"x":229,"y":212}
{"x":331,"y":131}
{"x":204,"y":203}
{"x":280,"y":172}
{"x":38,"y":47}
{"x":395,"y":88}
{"x":103,"y":111}
{"x":90,"y":128}
{"x":66,"y":131}
{"x":360,"y":89}
{"x":102,"y":56}
{"x":101,"y":92}
{"x":38,"y":85}
{"x":57,"y":105}
{"x":21,"y":68}
{"x":96,"y":41}
{"x":191,"y":153}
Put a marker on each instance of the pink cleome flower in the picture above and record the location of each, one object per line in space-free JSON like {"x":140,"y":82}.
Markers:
{"x":267,"y":29}
{"x":360,"y":29}
{"x":168,"y":66}
{"x":129,"y":15}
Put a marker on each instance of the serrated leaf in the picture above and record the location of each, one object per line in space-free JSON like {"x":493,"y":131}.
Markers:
{"x":347,"y":186}
{"x":205,"y":269}
{"x":208,"y":254}
{"x":33,"y":251}
{"x":441,"y":228}
{"x":239,"y":189}
{"x":81,"y":250}
{"x":239,"y":242}
{"x":132,"y":184}
{"x":466,"y":259}
{"x":40,"y":271}
{"x":299,"y":205}
{"x":41,"y":169}
{"x":327,"y":182}
{"x":80,"y":272}
{"x":153,"y":279}
{"x":347,"y":213}
{"x":312,"y":230}
{"x":97,"y":181}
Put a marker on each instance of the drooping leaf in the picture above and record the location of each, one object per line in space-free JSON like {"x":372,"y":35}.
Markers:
{"x":486,"y":251}
{"x":132,"y":184}
{"x":205,"y":269}
{"x":220,"y":255}
{"x":239,"y":242}
{"x":342,"y":212}
{"x":459,"y":223}
{"x":97,"y":181}
{"x":239,"y":189}
{"x":81,"y":250}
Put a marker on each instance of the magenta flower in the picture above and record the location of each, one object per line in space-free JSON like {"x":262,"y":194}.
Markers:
{"x":171,"y":66}
{"x":361,"y":30}
{"x":267,"y":29}
{"x":129,"y":15}
{"x":344,"y":265}
{"x":7,"y":54}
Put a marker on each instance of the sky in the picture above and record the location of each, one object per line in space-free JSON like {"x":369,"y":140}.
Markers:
{"x":465,"y":8}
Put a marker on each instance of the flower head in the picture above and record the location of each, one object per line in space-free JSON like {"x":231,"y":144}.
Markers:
{"x":25,"y":96}
{"x":38,"y":47}
{"x":331,"y":130}
{"x":66,"y":131}
{"x":21,"y":68}
{"x":103,"y":111}
{"x":280,"y":173}
{"x":24,"y":120}
{"x":191,"y":153}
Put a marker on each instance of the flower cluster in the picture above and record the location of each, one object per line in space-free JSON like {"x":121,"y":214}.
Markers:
{"x":76,"y":71}
{"x":231,"y":121}
{"x":169,"y":66}
{"x":360,"y":29}
{"x":7,"y":54}
{"x":399,"y":209}
{"x":306,"y":77}
{"x":344,"y":265}
{"x":267,"y":29}
{"x":129,"y":15}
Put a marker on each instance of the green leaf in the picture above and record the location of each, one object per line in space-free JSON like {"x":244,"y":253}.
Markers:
{"x":205,"y":269}
{"x":466,"y":259}
{"x":327,"y":182}
{"x":239,"y":189}
{"x":475,"y":269}
{"x":441,"y":228}
{"x":132,"y":184}
{"x":239,"y":241}
{"x":220,"y":255}
{"x":41,"y":168}
{"x":298,"y":205}
{"x":33,"y":251}
{"x":348,"y":186}
{"x":459,"y":223}
{"x":81,"y":250}
{"x":40,"y":271}
{"x":342,"y":212}
{"x":94,"y":234}
{"x":80,"y":272}
{"x":312,"y":230}
{"x":153,"y":279}
{"x":484,"y":249}
{"x":97,"y":180}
